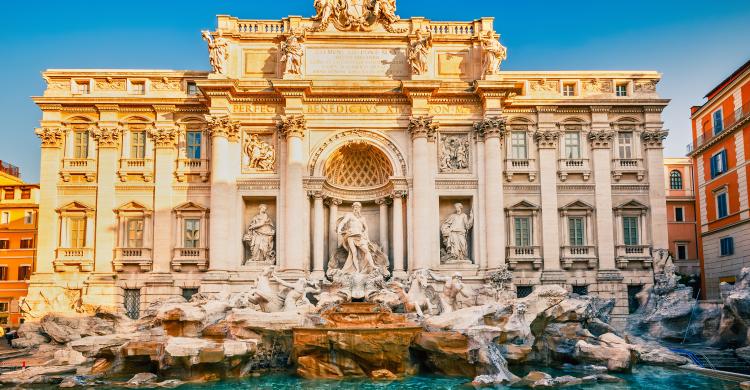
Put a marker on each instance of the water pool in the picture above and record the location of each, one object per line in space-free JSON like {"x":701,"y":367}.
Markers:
{"x":651,"y":378}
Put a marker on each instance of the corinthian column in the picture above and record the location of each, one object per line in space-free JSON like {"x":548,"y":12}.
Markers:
{"x":601,"y":151}
{"x":333,"y":213}
{"x":221,"y":131}
{"x":52,"y":142}
{"x":493,"y":132}
{"x":398,"y":232}
{"x":296,"y":235}
{"x":165,"y":154}
{"x":422,"y":130}
{"x":108,"y":142}
{"x":547,"y":142}
{"x":318,"y":234}
{"x":653,"y":142}
{"x":383,"y":229}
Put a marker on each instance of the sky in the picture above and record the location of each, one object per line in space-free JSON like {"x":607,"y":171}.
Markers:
{"x":694,"y":44}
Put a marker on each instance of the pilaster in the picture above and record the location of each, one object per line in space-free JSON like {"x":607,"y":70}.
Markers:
{"x":51,"y":156}
{"x":653,"y":142}
{"x":601,"y":150}
{"x":296,"y":237}
{"x":492,"y":131}
{"x":547,"y":140}
{"x":423,"y":130}
{"x":165,"y":155}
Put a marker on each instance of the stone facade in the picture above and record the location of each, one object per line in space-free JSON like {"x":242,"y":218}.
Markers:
{"x":151,"y":179}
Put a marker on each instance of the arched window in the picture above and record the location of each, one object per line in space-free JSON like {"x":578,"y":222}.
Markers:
{"x":675,"y":180}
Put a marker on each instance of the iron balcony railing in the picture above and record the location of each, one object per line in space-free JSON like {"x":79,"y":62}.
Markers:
{"x":9,"y":169}
{"x":729,"y":121}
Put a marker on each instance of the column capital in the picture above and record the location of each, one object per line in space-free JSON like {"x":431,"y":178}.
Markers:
{"x":423,"y":127}
{"x":547,"y":139}
{"x":400,"y":193}
{"x":491,"y":127}
{"x":51,"y":137}
{"x":654,"y":139}
{"x":164,"y":138}
{"x":334,"y":202}
{"x":292,"y":126}
{"x":222,"y":126}
{"x":601,"y":139}
{"x":382,"y":201}
{"x":106,"y":136}
{"x":317,"y":194}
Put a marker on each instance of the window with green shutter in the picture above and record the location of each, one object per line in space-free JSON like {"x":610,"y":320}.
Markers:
{"x":630,"y":230}
{"x":576,"y":231}
{"x":523,"y":231}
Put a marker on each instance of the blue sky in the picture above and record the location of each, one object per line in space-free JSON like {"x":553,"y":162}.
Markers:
{"x":695,"y":44}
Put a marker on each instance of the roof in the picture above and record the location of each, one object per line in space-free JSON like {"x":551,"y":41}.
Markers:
{"x":728,"y":80}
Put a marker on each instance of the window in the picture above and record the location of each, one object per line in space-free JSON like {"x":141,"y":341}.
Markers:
{"x":718,"y":122}
{"x":82,"y":87}
{"x":726,"y":245}
{"x":675,"y":180}
{"x":633,"y":303}
{"x":630,"y":231}
{"x":625,"y":144}
{"x":132,"y":303}
{"x":27,"y":243}
{"x":621,"y":90}
{"x":681,"y":252}
{"x":581,"y":290}
{"x":518,"y":149}
{"x":9,"y":193}
{"x":524,"y":291}
{"x":28,"y":217}
{"x":4,"y":275}
{"x":77,"y":232}
{"x":194,"y":145}
{"x":188,"y":293}
{"x":576,"y":229}
{"x":192,"y":89}
{"x":4,"y":307}
{"x":192,"y":233}
{"x":523,"y":231}
{"x":26,"y":193}
{"x":135,"y":233}
{"x":719,"y":164}
{"x":138,"y":144}
{"x":573,"y":145}
{"x":569,"y":89}
{"x":24,"y":272}
{"x":679,"y":214}
{"x":722,"y":205}
{"x":80,"y":144}
{"x":5,"y":218}
{"x":4,"y":244}
{"x":138,"y":87}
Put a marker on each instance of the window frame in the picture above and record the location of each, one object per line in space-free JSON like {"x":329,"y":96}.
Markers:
{"x":682,"y":213}
{"x":5,"y":218}
{"x":193,"y":242}
{"x":191,"y":88}
{"x":574,"y":241}
{"x":4,"y":243}
{"x":717,"y":121}
{"x":726,"y":246}
{"x":142,"y":88}
{"x":626,"y":147}
{"x":80,"y":144}
{"x":633,"y":226}
{"x":24,"y":275}
{"x":137,"y":242}
{"x":28,"y":217}
{"x":138,"y":144}
{"x":519,"y":141}
{"x":22,"y":243}
{"x":722,"y":208}
{"x":195,"y":146}
{"x":675,"y":180}
{"x":719,"y":163}
{"x":569,"y":89}
{"x":624,"y":87}
{"x":677,"y":248}
{"x":569,"y":146}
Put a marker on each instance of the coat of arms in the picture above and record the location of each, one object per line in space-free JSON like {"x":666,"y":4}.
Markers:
{"x":356,"y":15}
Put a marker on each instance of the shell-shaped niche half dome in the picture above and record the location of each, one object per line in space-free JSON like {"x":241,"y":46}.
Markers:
{"x":358,"y":165}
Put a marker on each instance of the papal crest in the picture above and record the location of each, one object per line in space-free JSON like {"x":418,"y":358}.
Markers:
{"x":355,"y":15}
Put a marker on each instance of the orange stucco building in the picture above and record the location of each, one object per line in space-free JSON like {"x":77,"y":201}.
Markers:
{"x":19,"y":203}
{"x":721,"y":144}
{"x":681,"y":215}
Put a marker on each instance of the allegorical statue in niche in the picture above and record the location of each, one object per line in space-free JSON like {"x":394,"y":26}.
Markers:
{"x":454,"y":153}
{"x":218,"y":51}
{"x":454,"y":231}
{"x":419,"y":48}
{"x":259,"y":238}
{"x":262,"y":155}
{"x":494,"y":54}
{"x":292,"y":52}
{"x":355,"y":239}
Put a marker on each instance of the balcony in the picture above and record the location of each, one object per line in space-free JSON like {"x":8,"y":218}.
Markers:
{"x":515,"y":166}
{"x":578,"y":254}
{"x":740,"y":116}
{"x":140,"y":257}
{"x":136,"y":166}
{"x":74,"y":257}
{"x":78,"y":166}
{"x":190,"y":256}
{"x":187,"y":166}
{"x":524,"y":254}
{"x":623,"y":166}
{"x":633,"y":253}
{"x":567,"y":166}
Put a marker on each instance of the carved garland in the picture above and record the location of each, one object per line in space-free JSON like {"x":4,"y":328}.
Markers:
{"x":51,"y":137}
{"x":223,"y":127}
{"x":423,"y":126}
{"x":292,"y":126}
{"x":106,"y":137}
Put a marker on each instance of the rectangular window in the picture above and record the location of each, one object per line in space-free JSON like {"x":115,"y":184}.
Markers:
{"x":77,"y":232}
{"x":518,"y":149}
{"x":523,"y":231}
{"x":633,"y":303}
{"x":188,"y":293}
{"x":581,"y":290}
{"x":630,"y":231}
{"x":82,"y":87}
{"x":573,"y":145}
{"x":192,"y":233}
{"x":625,"y":144}
{"x":719,"y":164}
{"x":4,"y":307}
{"x":718,"y":122}
{"x":24,"y":272}
{"x":4,"y":274}
{"x":569,"y":89}
{"x":138,"y":87}
{"x":726,"y":245}
{"x":682,"y":252}
{"x":576,"y":229}
{"x":80,"y":144}
{"x":194,"y":145}
{"x":621,"y":90}
{"x":679,"y":214}
{"x":26,"y":193}
{"x":138,"y":144}
{"x":28,"y":217}
{"x":132,"y":303}
{"x":4,"y":244}
{"x":524,"y":291}
{"x":192,"y":89}
{"x":135,"y":233}
{"x":5,"y":218}
{"x":722,"y":205}
{"x":9,"y":193}
{"x":27,"y":243}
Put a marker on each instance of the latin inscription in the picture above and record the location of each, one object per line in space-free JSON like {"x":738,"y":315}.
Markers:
{"x":383,"y":62}
{"x":355,"y":109}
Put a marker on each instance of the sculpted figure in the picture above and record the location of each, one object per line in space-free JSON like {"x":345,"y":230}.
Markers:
{"x":296,"y":297}
{"x":454,"y":231}
{"x":661,"y":259}
{"x":454,"y":286}
{"x":324,"y":9}
{"x":259,"y":238}
{"x":218,"y":51}
{"x":352,"y":229}
{"x":264,"y":295}
{"x":454,"y":154}
{"x":494,"y":54}
{"x":418,"y":51}
{"x":291,"y":54}
{"x":385,"y":10}
{"x":420,"y":295}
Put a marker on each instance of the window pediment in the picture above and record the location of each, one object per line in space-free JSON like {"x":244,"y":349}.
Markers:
{"x":190,"y":207}
{"x":632,"y":205}
{"x":73,"y":207}
{"x":523,"y":206}
{"x":132,"y":207}
{"x":577,"y":205}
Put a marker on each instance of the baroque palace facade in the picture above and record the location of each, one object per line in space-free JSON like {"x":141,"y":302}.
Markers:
{"x":159,"y":183}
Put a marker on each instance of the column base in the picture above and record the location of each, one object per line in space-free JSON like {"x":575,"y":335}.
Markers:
{"x":554,"y":277}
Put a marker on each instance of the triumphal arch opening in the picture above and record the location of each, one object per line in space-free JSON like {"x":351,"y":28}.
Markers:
{"x":341,"y":155}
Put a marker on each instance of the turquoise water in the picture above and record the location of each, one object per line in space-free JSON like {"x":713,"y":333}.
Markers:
{"x":651,"y":378}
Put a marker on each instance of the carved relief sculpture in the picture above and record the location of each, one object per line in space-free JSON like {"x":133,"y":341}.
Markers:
{"x":454,"y":231}
{"x":454,"y":153}
{"x":494,"y":54}
{"x":419,"y":48}
{"x":356,"y":15}
{"x":218,"y":51}
{"x":261,"y":154}
{"x":259,"y":238}
{"x":292,"y":53}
